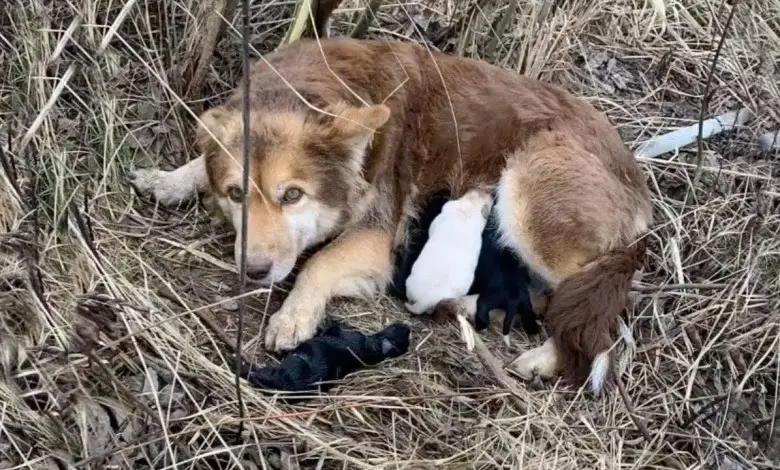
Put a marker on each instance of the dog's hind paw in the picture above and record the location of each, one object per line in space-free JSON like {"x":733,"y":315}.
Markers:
{"x":542,"y":361}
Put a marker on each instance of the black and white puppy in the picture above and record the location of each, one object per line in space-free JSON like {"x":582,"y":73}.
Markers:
{"x":331,"y":356}
{"x":501,"y":280}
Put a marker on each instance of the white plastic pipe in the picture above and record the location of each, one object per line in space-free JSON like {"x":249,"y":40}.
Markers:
{"x":674,"y":140}
{"x":770,"y":141}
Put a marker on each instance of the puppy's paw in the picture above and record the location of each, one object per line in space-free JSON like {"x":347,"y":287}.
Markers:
{"x":289,"y":328}
{"x":542,"y":361}
{"x":158,"y":185}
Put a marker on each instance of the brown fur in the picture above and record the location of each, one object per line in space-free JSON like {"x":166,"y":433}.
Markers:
{"x":445,"y":310}
{"x":583,"y":313}
{"x":573,"y":195}
{"x":418,"y":146}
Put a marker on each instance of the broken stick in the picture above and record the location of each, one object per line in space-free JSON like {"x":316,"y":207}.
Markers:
{"x":451,"y":309}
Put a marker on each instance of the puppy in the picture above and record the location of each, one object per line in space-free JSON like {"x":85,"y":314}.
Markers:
{"x":417,"y":236}
{"x":445,"y":267}
{"x":339,"y":351}
{"x":501,"y":280}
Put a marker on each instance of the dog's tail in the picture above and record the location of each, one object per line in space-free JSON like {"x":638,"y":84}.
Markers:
{"x":584,"y":312}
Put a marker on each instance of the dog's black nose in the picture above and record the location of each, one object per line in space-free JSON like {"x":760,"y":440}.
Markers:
{"x":258,"y":273}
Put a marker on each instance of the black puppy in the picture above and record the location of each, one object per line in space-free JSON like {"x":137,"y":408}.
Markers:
{"x":417,"y":237}
{"x":501,"y":280}
{"x":331,"y":356}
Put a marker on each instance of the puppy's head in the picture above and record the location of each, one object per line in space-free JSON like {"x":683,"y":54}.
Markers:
{"x":395,"y":340}
{"x":305,"y":173}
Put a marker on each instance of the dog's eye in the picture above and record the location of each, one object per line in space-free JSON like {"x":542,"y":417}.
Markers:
{"x":292,"y":195}
{"x":235,"y":194}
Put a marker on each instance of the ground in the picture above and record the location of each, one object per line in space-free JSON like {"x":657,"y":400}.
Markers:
{"x":115,"y":315}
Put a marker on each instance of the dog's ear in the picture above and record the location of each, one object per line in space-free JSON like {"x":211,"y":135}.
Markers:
{"x":358,"y":124}
{"x":213,"y":124}
{"x":354,"y":121}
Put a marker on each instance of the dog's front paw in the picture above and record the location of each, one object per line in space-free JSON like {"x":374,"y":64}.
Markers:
{"x":288,"y":328}
{"x":156,"y":185}
{"x":542,"y":361}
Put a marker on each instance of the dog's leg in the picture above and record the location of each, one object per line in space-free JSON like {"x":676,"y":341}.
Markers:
{"x":170,"y":188}
{"x":518,"y":228}
{"x":356,"y":264}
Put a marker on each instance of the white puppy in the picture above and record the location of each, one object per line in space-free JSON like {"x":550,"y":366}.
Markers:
{"x":446,"y":265}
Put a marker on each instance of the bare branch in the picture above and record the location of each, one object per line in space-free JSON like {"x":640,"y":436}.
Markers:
{"x":368,"y":14}
{"x":705,"y":100}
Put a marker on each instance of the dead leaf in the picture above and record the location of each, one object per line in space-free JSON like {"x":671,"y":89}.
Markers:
{"x":146,"y":111}
{"x":141,"y":139}
{"x":95,"y":425}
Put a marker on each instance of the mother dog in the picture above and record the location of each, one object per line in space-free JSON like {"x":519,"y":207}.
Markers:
{"x":348,"y":137}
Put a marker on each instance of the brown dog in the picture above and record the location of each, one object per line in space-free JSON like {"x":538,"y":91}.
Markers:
{"x":349,"y":136}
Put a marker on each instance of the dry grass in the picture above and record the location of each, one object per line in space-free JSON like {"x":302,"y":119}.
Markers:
{"x":108,"y":358}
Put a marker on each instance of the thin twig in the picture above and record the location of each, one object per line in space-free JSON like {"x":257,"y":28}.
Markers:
{"x":705,"y":101}
{"x":244,"y":212}
{"x":705,"y":409}
{"x":308,"y":12}
{"x":491,"y":363}
{"x":9,"y":168}
{"x":364,"y":21}
{"x":630,"y":407}
{"x":501,"y":27}
{"x":668,"y":287}
{"x":495,"y":367}
{"x":300,"y":21}
{"x":215,"y":28}
{"x":34,"y":254}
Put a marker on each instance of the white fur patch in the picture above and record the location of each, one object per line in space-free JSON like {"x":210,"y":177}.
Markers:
{"x":507,"y":341}
{"x":598,"y":373}
{"x":312,"y":224}
{"x":306,"y":225}
{"x":170,"y":188}
{"x":446,"y":265}
{"x":640,"y":224}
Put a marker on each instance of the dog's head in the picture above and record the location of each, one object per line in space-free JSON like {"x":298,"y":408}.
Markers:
{"x":305,"y":174}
